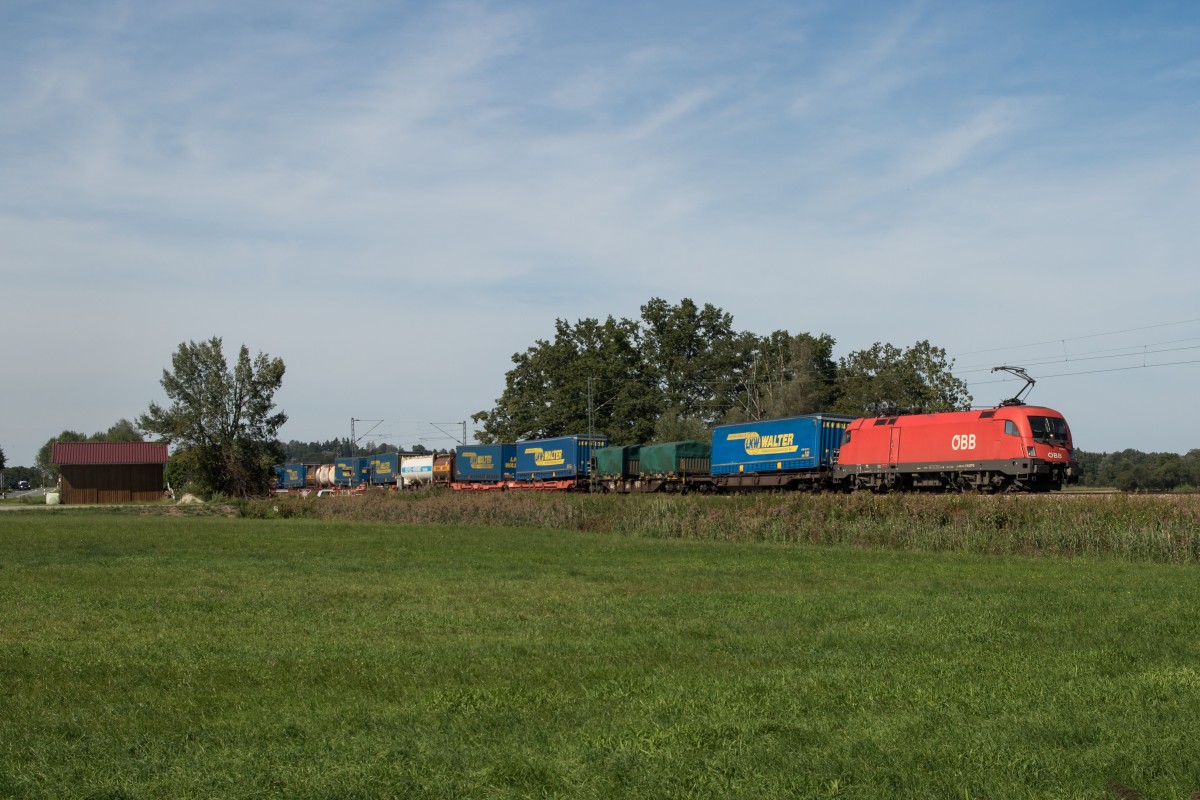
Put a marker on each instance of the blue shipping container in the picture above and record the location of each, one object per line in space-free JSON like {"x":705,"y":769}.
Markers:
{"x":353,"y":471}
{"x":778,"y":445}
{"x":485,"y":463}
{"x":384,"y":468}
{"x":560,"y":458}
{"x":291,"y":476}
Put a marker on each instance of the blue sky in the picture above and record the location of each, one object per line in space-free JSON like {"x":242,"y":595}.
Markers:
{"x":396,"y":197}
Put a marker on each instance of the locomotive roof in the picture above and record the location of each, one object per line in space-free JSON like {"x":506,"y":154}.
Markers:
{"x":999,"y":412}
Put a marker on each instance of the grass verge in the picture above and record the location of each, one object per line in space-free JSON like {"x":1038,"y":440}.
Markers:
{"x":1160,"y":528}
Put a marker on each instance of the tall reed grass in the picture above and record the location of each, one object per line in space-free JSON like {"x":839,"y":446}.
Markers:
{"x":1129,"y":527}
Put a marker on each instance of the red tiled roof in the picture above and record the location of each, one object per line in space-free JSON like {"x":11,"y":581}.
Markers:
{"x":108,"y":453}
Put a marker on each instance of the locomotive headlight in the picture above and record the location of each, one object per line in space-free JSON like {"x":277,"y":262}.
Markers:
{"x":1032,"y":452}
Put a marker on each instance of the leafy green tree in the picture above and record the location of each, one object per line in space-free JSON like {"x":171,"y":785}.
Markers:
{"x":623,"y":402}
{"x":1133,"y":470}
{"x":885,"y":379}
{"x":1191,"y":468}
{"x":315,"y":452}
{"x":1089,"y":467}
{"x":675,"y":372}
{"x":699,"y":363}
{"x":221,"y":422}
{"x":2,"y":459}
{"x":120,"y":431}
{"x":46,"y":450}
{"x":790,"y":375}
{"x":675,"y":426}
{"x":682,"y":368}
{"x":591,"y":376}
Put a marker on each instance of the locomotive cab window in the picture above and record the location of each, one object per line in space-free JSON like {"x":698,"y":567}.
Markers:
{"x":1010,"y":428}
{"x":1049,"y":430}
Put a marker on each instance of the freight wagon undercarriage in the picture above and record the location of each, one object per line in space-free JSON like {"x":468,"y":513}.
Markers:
{"x":701,"y":483}
{"x":813,"y":481}
{"x":984,"y":476}
{"x":561,"y":485}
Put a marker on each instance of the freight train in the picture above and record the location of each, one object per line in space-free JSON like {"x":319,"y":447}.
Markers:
{"x":1009,"y":448}
{"x":557,"y":464}
{"x":1013,"y":447}
{"x":358,"y":473}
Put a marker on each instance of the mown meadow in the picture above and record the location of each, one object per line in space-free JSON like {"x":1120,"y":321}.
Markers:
{"x":153,"y":656}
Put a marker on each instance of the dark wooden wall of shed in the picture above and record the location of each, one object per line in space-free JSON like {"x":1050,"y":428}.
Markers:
{"x":111,"y":483}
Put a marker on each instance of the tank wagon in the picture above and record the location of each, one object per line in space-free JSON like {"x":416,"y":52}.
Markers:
{"x":416,"y":471}
{"x":443,"y":469}
{"x":1010,"y":448}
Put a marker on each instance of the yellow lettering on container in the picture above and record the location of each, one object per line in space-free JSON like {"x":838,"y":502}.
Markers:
{"x":769,"y":445}
{"x":546,"y":458}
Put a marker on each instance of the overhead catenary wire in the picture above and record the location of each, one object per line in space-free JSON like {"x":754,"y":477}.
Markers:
{"x":1074,"y":338}
{"x":1096,"y":371}
{"x":1146,"y":352}
{"x":1134,"y":351}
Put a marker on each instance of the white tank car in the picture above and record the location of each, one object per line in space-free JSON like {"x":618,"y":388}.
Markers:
{"x":323,"y":475}
{"x":416,"y":471}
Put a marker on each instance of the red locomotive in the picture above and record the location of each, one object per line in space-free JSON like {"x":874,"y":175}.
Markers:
{"x":1010,"y":448}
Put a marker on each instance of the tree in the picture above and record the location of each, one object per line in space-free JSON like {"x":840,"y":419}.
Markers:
{"x":120,"y":431}
{"x":2,"y":460}
{"x":43,"y":461}
{"x":885,"y":379}
{"x":699,"y":363}
{"x":790,"y":375}
{"x":221,"y":423}
{"x":588,"y":368}
{"x":682,"y":368}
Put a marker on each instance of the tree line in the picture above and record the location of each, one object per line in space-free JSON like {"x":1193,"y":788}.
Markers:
{"x":1135,"y":471}
{"x":679,"y":369}
{"x":297,"y":452}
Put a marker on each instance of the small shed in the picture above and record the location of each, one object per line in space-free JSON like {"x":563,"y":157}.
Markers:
{"x":110,"y":472}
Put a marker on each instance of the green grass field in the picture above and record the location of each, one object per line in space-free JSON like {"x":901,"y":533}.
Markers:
{"x":168,"y":657}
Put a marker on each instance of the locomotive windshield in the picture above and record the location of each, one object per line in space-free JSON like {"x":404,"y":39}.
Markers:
{"x":1049,"y":430}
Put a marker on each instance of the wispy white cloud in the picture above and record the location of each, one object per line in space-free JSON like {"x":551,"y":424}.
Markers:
{"x":943,"y":151}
